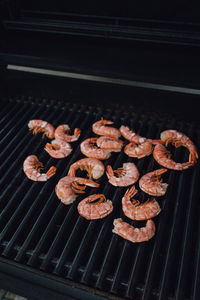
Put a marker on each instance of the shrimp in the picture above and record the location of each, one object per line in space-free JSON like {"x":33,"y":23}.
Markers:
{"x":32,"y":168}
{"x":133,"y":137}
{"x":58,"y":148}
{"x":132,"y":234}
{"x":100,"y":129}
{"x":93,"y":166}
{"x":68,"y":187}
{"x":42,"y":126}
{"x":138,"y":150}
{"x":90,"y":149}
{"x":180,"y":139}
{"x":109,"y":143}
{"x":125,"y":176}
{"x":151,"y":184}
{"x":139,"y":211}
{"x":96,"y":210}
{"x":62,"y":132}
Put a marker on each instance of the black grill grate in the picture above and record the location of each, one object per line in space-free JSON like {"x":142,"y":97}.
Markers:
{"x":38,"y":231}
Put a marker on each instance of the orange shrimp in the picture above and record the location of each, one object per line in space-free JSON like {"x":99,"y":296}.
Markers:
{"x":68,"y":187}
{"x":151,"y":183}
{"x":100,"y":129}
{"x":58,"y":148}
{"x":96,"y":210}
{"x":132,"y":234}
{"x":109,"y":143}
{"x":62,"y":132}
{"x":139,"y":211}
{"x":90,"y":149}
{"x":42,"y":126}
{"x":32,"y":168}
{"x":125,"y":176}
{"x":138,"y":150}
{"x":93,"y":166}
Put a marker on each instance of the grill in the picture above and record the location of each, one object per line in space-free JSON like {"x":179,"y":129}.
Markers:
{"x":41,"y":236}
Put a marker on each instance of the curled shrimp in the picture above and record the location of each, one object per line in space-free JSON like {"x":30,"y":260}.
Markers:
{"x":100,"y":129}
{"x":133,"y":137}
{"x":151,"y":183}
{"x":58,"y":148}
{"x":62,"y":132}
{"x":124,"y":176}
{"x":32,"y":167}
{"x":90,"y":149}
{"x":139,"y":211}
{"x":68,"y":187}
{"x":42,"y":126}
{"x":138,"y":150}
{"x":93,"y":166}
{"x":109,"y":143}
{"x":132,"y":234}
{"x":95,"y":210}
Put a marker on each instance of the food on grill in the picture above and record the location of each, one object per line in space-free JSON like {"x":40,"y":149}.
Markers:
{"x":62,"y":132}
{"x":93,"y":166}
{"x":124,"y":176}
{"x":138,"y":150}
{"x":109,"y":143}
{"x":135,"y":210}
{"x":163,"y":156}
{"x":32,"y":168}
{"x":42,"y":126}
{"x":68,"y":187}
{"x":100,"y":129}
{"x":135,"y":235}
{"x":151,"y":183}
{"x":58,"y":148}
{"x":95,"y":210}
{"x":89,"y":148}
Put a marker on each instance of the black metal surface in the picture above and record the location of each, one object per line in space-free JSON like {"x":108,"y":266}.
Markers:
{"x":37,"y":231}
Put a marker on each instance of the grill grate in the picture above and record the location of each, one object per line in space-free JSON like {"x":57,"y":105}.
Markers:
{"x":39,"y":231}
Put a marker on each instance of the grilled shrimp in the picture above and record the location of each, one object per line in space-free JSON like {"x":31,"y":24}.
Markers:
{"x":133,"y":137}
{"x":96,"y":210}
{"x":58,"y":148}
{"x":138,"y":150}
{"x":93,"y":166}
{"x":68,"y":187}
{"x":100,"y":129}
{"x":125,"y":176}
{"x":42,"y":126}
{"x":139,"y":211}
{"x":130,"y":233}
{"x":62,"y":132}
{"x":109,"y":143}
{"x":151,"y":183}
{"x":32,"y":168}
{"x":90,"y":149}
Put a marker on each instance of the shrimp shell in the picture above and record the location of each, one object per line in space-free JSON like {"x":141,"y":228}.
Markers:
{"x":97,"y":210}
{"x":138,"y":150}
{"x":93,"y":166}
{"x":127,"y":175}
{"x":88,"y":148}
{"x":58,"y":148}
{"x":100,"y":129}
{"x":139,"y":211}
{"x":62,"y":132}
{"x":132,"y":234}
{"x":42,"y":126}
{"x":108,"y":143}
{"x":151,"y":184}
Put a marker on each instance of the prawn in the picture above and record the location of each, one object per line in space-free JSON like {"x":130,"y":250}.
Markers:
{"x":96,"y":210}
{"x":138,"y":150}
{"x":132,"y":234}
{"x":100,"y":129}
{"x":125,"y":176}
{"x":42,"y":126}
{"x":93,"y":166}
{"x":32,"y":168}
{"x":62,"y":132}
{"x":109,"y":143}
{"x":89,"y":148}
{"x":68,"y":187}
{"x":133,"y":137}
{"x":139,"y":211}
{"x":151,"y":183}
{"x":58,"y":148}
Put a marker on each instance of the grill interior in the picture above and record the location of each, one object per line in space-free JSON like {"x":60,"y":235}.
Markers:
{"x":37,"y":230}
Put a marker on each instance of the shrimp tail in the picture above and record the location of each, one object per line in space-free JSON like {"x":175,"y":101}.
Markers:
{"x":110,"y":170}
{"x":51,"y":171}
{"x":131,"y":192}
{"x":77,"y":132}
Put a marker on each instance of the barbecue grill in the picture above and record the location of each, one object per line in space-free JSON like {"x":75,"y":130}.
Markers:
{"x":75,"y":65}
